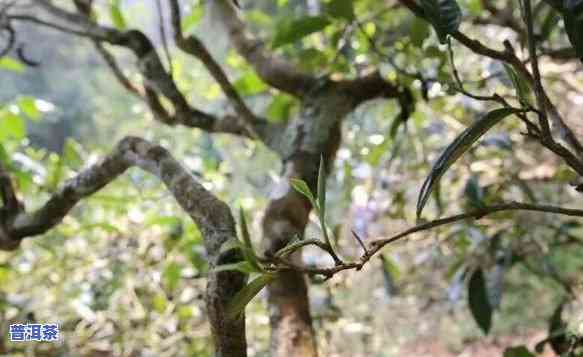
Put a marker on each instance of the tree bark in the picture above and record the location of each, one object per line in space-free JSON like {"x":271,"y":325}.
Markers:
{"x":212,"y":216}
{"x":315,"y":133}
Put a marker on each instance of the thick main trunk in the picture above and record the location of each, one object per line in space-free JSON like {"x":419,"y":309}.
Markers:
{"x":292,"y":333}
{"x":316,"y":134}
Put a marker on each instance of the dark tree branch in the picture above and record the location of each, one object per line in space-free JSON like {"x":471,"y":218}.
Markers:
{"x":376,"y":245}
{"x":163,"y":38}
{"x":509,"y":57}
{"x":129,"y":152}
{"x":156,"y":78}
{"x":117,"y":71}
{"x":369,"y":87}
{"x":8,"y":192}
{"x":195,"y":47}
{"x":272,"y":69}
{"x":538,"y":87}
{"x":212,"y":216}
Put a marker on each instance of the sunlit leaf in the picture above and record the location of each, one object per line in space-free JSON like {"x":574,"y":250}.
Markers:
{"x":237,"y":305}
{"x":302,"y":187}
{"x":280,"y":108}
{"x":456,"y":149}
{"x":444,"y":15}
{"x":292,"y":31}
{"x":55,"y":172}
{"x":250,"y":84}
{"x":520,"y":84}
{"x":72,"y":153}
{"x":188,"y":22}
{"x":28,"y":107}
{"x":249,"y":253}
{"x":172,"y":274}
{"x":10,"y":64}
{"x":4,"y":158}
{"x":12,"y":126}
{"x":474,"y":6}
{"x":117,"y":17}
{"x":160,"y":302}
{"x":478,"y":301}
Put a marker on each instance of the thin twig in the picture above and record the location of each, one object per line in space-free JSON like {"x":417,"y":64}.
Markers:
{"x":538,"y":88}
{"x":163,"y":37}
{"x":460,"y":85}
{"x":376,"y":245}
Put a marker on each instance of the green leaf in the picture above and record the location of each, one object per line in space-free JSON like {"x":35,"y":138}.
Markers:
{"x":549,"y":24}
{"x":376,"y":154}
{"x":390,"y":272}
{"x":474,"y":192}
{"x":28,"y":106}
{"x":292,"y":31}
{"x":557,"y":326}
{"x":160,"y":302}
{"x":322,"y":190}
{"x":231,"y":244}
{"x":72,"y":153}
{"x":474,"y":7}
{"x":164,"y":221}
{"x":520,"y":85}
{"x":106,"y":227}
{"x":574,"y":28}
{"x":250,"y":84}
{"x":188,"y":22}
{"x":237,"y":305}
{"x":4,"y":158}
{"x":419,"y":31}
{"x":390,"y":266}
{"x":478,"y":301}
{"x":249,"y":253}
{"x":456,"y":149}
{"x":172,"y":274}
{"x":444,"y":15}
{"x":116,"y":15}
{"x":518,"y":351}
{"x":12,"y":126}
{"x":302,"y":187}
{"x":10,"y":64}
{"x":574,"y":6}
{"x":280,"y":108}
{"x":341,"y":9}
{"x":244,"y":267}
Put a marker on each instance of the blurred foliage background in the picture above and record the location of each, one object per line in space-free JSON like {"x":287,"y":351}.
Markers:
{"x":124,"y":274}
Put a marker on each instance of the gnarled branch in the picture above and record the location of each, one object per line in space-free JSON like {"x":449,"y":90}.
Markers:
{"x":156,"y":79}
{"x":272,"y":69}
{"x":212,"y":216}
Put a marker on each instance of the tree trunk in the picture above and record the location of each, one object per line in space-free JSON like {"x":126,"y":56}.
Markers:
{"x":316,"y":134}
